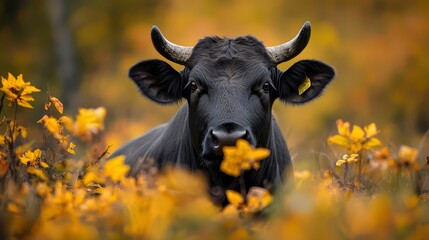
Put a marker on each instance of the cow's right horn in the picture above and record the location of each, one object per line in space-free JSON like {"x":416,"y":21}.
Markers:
{"x":171,"y":51}
{"x":289,"y":50}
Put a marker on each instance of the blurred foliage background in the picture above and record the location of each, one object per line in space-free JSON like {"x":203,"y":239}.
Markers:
{"x":81,"y":51}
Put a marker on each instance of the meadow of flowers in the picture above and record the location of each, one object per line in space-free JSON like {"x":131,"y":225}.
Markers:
{"x":62,"y":187}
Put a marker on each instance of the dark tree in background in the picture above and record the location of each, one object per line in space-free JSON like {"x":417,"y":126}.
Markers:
{"x":64,"y":48}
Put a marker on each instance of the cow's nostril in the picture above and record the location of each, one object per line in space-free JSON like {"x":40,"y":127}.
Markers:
{"x":246,"y":135}
{"x":215,"y":139}
{"x":223,"y":135}
{"x":224,"y":138}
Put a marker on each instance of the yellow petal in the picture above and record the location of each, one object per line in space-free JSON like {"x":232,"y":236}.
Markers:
{"x":39,"y":173}
{"x":256,"y":165}
{"x":234,"y":197}
{"x":24,"y":104}
{"x":26,"y":98}
{"x":357,"y":133}
{"x":37,"y":153}
{"x":372,"y":143}
{"x":262,"y":196}
{"x":43,"y":119}
{"x":352,"y":159}
{"x":57,"y":103}
{"x":231,"y":168}
{"x":44,"y":165}
{"x":407,"y":154}
{"x":230,"y":210}
{"x":29,"y":89}
{"x":259,"y":153}
{"x":67,"y":122}
{"x":116,"y":168}
{"x":343,"y":128}
{"x":11,"y":78}
{"x":339,"y":140}
{"x":91,"y":177}
{"x":53,"y":127}
{"x":246,"y":165}
{"x":371,"y":130}
{"x":340,"y":162}
{"x":243,"y":145}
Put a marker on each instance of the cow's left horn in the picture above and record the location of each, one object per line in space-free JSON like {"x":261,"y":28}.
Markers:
{"x":289,"y":50}
{"x":171,"y":51}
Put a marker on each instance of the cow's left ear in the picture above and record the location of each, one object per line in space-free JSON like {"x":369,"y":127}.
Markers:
{"x":304,"y":81}
{"x":158,"y":81}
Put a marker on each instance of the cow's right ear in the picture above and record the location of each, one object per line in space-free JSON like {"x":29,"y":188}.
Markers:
{"x":157,"y":80}
{"x":304,"y":81}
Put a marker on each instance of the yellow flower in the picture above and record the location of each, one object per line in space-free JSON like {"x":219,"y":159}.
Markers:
{"x":235,"y":203}
{"x":347,"y":159}
{"x":407,"y":157}
{"x":53,"y":126}
{"x":18,"y":91}
{"x":31,"y":157}
{"x":89,"y":122}
{"x":243,"y":156}
{"x":256,"y":199}
{"x":71,"y":147}
{"x":356,"y":139}
{"x":67,"y":122}
{"x":382,"y":159}
{"x":39,"y":173}
{"x":115,"y":168}
{"x":91,"y":177}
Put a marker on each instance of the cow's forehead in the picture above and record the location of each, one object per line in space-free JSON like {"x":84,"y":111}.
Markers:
{"x":238,"y":72}
{"x":220,"y":50}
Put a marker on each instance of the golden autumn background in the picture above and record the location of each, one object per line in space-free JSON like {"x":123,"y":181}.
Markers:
{"x":81,"y":52}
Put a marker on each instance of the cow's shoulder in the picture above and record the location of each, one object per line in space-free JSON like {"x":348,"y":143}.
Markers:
{"x":143,"y":147}
{"x":166,"y":144}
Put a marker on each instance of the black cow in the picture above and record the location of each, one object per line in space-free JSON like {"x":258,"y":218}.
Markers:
{"x":230,"y":86}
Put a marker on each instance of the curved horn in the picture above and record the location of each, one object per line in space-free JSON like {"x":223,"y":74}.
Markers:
{"x":286,"y":51}
{"x":171,"y":51}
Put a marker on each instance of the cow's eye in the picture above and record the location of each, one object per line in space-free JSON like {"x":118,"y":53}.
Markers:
{"x":266,"y":87}
{"x":193,"y":86}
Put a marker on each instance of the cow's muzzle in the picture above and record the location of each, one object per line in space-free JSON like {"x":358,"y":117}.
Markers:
{"x":222,"y":135}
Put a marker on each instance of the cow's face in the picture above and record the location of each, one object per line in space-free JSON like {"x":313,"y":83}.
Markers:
{"x":230,"y":86}
{"x":228,"y":99}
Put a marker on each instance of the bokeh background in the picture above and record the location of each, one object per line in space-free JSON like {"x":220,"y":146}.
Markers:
{"x":81,"y":51}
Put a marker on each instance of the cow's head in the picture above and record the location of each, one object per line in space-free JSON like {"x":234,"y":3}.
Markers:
{"x":230,"y":86}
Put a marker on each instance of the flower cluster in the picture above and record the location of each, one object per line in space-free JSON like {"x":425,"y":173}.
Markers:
{"x":241,"y":157}
{"x":256,"y":199}
{"x":357,"y":139}
{"x":49,"y":190}
{"x":18,"y":91}
{"x":365,"y":150}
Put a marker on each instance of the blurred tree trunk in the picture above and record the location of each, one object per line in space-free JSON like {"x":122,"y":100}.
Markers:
{"x":69,"y":79}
